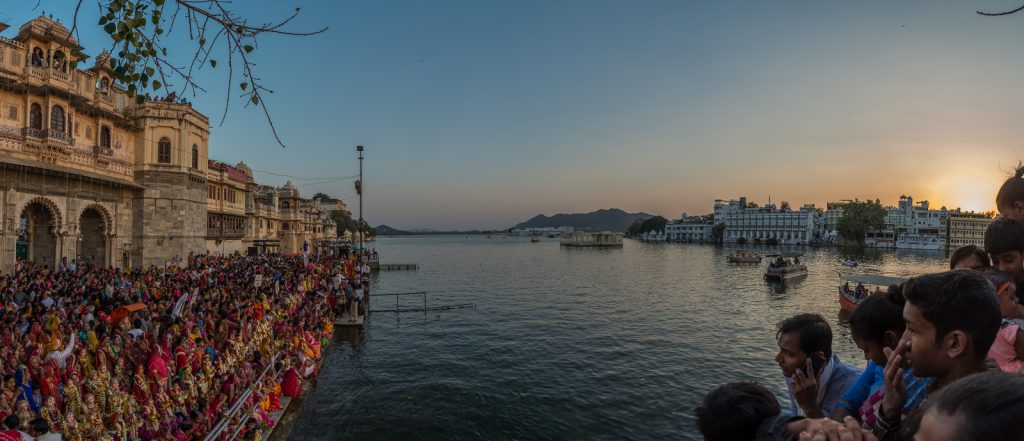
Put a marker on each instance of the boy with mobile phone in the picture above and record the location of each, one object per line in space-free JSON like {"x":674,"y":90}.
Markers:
{"x":815,"y":377}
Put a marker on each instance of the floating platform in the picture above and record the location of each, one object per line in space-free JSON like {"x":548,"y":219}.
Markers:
{"x":585,"y":239}
{"x":399,"y":266}
{"x":346,"y":320}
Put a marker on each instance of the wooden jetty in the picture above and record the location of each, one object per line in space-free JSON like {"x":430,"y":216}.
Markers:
{"x":346,"y":319}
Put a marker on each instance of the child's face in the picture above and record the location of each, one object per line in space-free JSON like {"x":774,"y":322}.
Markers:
{"x":1015,"y":212}
{"x":1010,"y":262}
{"x":971,"y":262}
{"x":927,"y":358}
{"x":1008,"y":299}
{"x":873,"y":350}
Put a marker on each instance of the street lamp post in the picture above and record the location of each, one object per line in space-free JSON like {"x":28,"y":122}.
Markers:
{"x":359,"y":191}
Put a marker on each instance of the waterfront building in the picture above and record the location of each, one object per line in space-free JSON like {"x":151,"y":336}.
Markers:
{"x":767,"y":224}
{"x":966,"y":228}
{"x":86,"y":172}
{"x":689,"y":229}
{"x":587,"y":239}
{"x":228,"y":221}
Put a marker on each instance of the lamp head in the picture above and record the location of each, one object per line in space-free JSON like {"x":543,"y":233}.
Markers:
{"x":359,"y":148}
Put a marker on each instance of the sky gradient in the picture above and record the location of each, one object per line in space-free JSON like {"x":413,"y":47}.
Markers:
{"x":484,"y":114}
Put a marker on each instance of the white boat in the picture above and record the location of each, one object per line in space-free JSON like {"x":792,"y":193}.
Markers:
{"x":744,"y":256}
{"x":850,"y":263}
{"x":917,"y":241}
{"x":784,"y":266}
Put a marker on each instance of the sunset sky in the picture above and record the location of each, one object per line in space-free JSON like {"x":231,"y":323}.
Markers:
{"x":481,"y":114}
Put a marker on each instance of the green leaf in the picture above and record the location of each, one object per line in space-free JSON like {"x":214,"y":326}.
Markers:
{"x":243,"y":85}
{"x":213,"y":63}
{"x":248,"y":48}
{"x":110,"y":28}
{"x":255,"y":99}
{"x":202,"y":41}
{"x":158,"y":2}
{"x":156,"y":85}
{"x":140,"y":99}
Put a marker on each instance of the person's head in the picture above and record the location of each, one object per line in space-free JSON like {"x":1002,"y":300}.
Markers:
{"x":1010,"y":199}
{"x":952,"y":319}
{"x":38,"y":427}
{"x":12,"y":422}
{"x":984,"y":406}
{"x":970,"y":257}
{"x":1004,"y":241}
{"x":735,"y":411}
{"x":878,"y":324}
{"x":800,"y":336}
{"x":1006,"y":291}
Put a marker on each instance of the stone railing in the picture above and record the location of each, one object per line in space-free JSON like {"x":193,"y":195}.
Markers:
{"x":35,"y":133}
{"x":105,"y":151}
{"x":11,"y":132}
{"x":59,"y":135}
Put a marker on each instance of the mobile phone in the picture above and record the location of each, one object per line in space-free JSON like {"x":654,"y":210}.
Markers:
{"x":817,"y":363}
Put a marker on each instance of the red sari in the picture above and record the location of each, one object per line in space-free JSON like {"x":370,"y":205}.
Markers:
{"x":292,"y":385}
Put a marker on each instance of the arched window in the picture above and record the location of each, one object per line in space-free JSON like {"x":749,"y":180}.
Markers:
{"x":285,"y":205}
{"x":284,"y":226}
{"x":37,"y":57}
{"x":58,"y":61}
{"x":195,"y":156}
{"x":57,"y":118}
{"x":35,"y":116}
{"x":105,"y":136}
{"x":104,"y":85}
{"x":163,"y":151}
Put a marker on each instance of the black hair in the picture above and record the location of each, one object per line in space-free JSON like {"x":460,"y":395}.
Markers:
{"x":879,"y":314}
{"x":967,"y":251}
{"x":1012,"y":190}
{"x":989,"y":405}
{"x":1004,"y":235}
{"x":958,"y":300}
{"x":815,"y":333}
{"x":735,"y":411}
{"x":12,"y":422}
{"x":40,"y":425}
{"x":997,"y":278}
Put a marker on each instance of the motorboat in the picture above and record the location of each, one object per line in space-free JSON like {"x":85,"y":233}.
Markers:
{"x":784,"y":266}
{"x":850,"y":263}
{"x":851,"y":297}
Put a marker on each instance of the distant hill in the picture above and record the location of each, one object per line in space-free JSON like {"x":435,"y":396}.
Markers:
{"x":384,"y":230}
{"x":611,"y":219}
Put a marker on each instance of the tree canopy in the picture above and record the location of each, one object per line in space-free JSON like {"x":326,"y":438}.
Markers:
{"x":140,"y":31}
{"x":858,"y":218}
{"x":656,"y":223}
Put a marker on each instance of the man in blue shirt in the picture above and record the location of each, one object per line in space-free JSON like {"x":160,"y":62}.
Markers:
{"x":815,"y":377}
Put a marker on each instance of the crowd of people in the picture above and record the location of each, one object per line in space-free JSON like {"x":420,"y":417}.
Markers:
{"x":944,"y":356}
{"x":92,"y":353}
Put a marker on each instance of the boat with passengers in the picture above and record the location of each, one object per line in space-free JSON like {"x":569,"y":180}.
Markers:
{"x":851,"y":297}
{"x":744,"y":256}
{"x":784,"y":266}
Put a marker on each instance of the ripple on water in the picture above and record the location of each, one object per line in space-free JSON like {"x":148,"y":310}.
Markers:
{"x":564,"y":344}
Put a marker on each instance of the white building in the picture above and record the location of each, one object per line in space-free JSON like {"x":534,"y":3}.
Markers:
{"x":767,"y":224}
{"x":689,"y":229}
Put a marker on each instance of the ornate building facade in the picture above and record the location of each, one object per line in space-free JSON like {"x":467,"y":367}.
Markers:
{"x":87,"y":173}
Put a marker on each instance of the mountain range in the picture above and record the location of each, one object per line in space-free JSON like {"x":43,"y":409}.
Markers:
{"x":610,"y":219}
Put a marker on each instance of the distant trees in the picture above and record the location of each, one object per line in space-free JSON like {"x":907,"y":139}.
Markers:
{"x":784,"y":206}
{"x":752,"y":205}
{"x":858,"y":218}
{"x":656,"y":223}
{"x":718,"y":233}
{"x":320,"y":195}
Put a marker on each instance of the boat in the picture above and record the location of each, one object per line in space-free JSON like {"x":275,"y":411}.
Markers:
{"x":534,"y":240}
{"x":784,"y":266}
{"x":850,"y":263}
{"x":744,"y":256}
{"x":551,"y":236}
{"x":850,"y":299}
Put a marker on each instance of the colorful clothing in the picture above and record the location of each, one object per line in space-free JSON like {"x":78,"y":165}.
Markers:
{"x":1004,"y":349}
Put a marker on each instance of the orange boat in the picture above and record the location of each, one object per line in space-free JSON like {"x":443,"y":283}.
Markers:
{"x":850,"y":299}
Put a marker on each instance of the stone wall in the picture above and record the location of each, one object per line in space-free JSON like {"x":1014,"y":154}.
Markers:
{"x":169,"y":217}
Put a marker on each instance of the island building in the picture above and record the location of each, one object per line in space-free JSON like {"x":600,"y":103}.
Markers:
{"x":87,"y":173}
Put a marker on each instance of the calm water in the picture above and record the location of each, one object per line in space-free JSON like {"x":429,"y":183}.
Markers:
{"x":565,"y":343}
